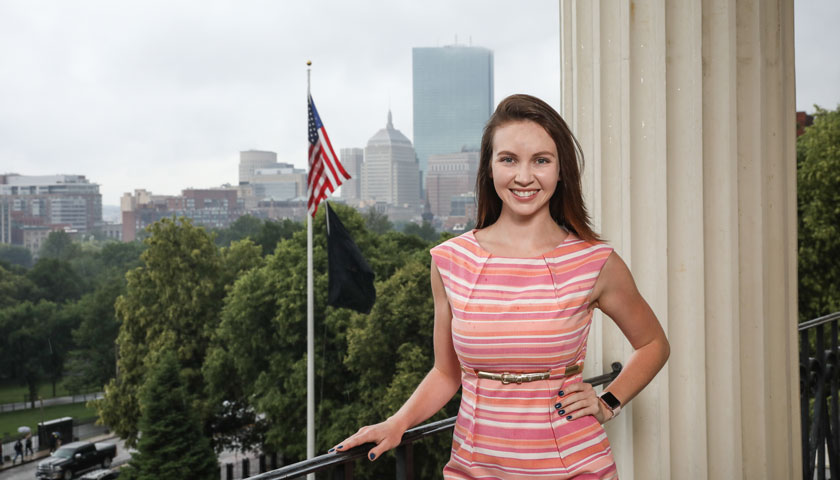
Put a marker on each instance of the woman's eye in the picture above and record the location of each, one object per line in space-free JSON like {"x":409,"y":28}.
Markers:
{"x":506,"y":159}
{"x":543,"y":160}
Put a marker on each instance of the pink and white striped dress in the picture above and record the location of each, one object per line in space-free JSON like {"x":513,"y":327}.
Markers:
{"x":521,"y":315}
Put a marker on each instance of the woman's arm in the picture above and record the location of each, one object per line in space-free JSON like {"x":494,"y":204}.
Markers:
{"x":437,"y":388}
{"x":615,"y":293}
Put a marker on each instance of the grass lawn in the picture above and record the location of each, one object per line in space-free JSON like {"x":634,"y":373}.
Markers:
{"x":10,"y":421}
{"x":12,"y":393}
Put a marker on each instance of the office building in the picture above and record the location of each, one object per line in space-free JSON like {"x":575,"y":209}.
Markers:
{"x":352,"y":160}
{"x":280,"y":181}
{"x":450,"y":175}
{"x":49,"y":202}
{"x":262,"y":178}
{"x":390,"y":173}
{"x":251,"y":160}
{"x":453,"y":98}
{"x":210,"y":208}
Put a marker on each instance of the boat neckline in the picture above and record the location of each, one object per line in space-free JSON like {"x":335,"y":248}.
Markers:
{"x":486,"y":253}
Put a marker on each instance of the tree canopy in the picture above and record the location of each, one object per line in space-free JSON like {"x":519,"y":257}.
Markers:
{"x":818,"y":192}
{"x":367,"y":365}
{"x":171,"y":302}
{"x":173,"y":444}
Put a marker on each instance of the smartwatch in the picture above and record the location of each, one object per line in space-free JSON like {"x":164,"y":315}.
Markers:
{"x":611,"y":402}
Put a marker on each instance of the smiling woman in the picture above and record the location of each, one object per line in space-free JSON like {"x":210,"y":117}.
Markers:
{"x":514,"y":301}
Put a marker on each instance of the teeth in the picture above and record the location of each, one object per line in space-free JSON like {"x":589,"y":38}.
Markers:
{"x":520,"y":193}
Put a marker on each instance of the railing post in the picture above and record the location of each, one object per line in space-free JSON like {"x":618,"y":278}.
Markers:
{"x":834,"y":410}
{"x":804,"y":391}
{"x":405,"y":462}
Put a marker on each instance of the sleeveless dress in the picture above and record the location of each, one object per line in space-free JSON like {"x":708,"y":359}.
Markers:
{"x":521,"y":315}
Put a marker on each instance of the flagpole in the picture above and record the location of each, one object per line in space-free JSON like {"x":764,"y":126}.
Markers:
{"x":310,"y":315}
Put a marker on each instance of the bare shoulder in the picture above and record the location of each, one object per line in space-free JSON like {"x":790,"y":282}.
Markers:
{"x":615,"y":275}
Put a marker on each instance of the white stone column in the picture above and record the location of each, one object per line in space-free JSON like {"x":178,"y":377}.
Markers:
{"x":685,"y":112}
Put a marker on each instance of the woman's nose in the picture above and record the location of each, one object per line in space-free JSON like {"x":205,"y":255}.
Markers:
{"x":524,"y":175}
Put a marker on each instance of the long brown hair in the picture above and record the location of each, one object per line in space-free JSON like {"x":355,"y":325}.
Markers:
{"x":566,"y":205}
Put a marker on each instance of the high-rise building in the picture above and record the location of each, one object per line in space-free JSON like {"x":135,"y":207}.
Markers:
{"x":389,"y":172}
{"x":453,"y":98}
{"x":55,"y":201}
{"x":352,"y":160}
{"x":261,"y":178}
{"x":281,"y":181}
{"x":450,"y":175}
{"x":251,"y":160}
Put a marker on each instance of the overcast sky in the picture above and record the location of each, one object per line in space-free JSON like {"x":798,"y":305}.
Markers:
{"x":164,"y":94}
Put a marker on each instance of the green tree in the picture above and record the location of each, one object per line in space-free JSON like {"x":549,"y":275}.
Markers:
{"x":55,"y":280}
{"x":272,"y":232}
{"x":246,"y":226}
{"x":425,"y":231}
{"x":59,"y":245}
{"x":818,"y":192}
{"x":377,"y":222}
{"x":171,"y":302}
{"x":15,"y":255}
{"x":35,"y":340}
{"x":266,"y":234}
{"x":93,"y":360}
{"x":173,"y":444}
{"x":15,"y":287}
{"x":366,"y":365}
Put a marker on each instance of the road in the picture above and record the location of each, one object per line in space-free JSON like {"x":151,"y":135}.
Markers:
{"x":27,"y":471}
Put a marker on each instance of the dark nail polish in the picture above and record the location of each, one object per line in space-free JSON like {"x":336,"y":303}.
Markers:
{"x":561,"y":412}
{"x":340,"y":447}
{"x":372,"y":456}
{"x":569,"y":417}
{"x":331,"y":450}
{"x":560,"y":393}
{"x":558,"y":405}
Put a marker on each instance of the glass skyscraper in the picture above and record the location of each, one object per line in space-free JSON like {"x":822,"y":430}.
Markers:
{"x":453,"y":98}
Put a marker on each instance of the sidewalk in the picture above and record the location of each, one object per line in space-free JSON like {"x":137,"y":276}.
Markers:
{"x":48,"y":402}
{"x":46,"y":453}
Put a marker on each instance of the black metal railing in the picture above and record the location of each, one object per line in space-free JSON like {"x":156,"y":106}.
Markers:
{"x":819,"y":387}
{"x":342,"y":463}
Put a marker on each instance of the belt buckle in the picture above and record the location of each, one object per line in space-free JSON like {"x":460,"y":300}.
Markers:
{"x":508,"y":378}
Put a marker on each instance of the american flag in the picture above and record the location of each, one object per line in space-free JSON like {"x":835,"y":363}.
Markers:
{"x":325,"y":171}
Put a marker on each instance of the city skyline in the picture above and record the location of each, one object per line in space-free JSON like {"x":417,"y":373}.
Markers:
{"x":164,"y":96}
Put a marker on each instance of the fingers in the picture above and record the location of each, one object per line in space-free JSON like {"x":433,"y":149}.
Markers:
{"x":381,"y":448}
{"x":380,"y":434}
{"x":358,"y":438}
{"x":577,"y":400}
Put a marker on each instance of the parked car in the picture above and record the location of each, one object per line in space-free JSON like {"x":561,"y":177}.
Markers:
{"x":101,"y":474}
{"x":74,"y":458}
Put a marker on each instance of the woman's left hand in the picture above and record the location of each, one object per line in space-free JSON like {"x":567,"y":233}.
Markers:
{"x":579,"y":399}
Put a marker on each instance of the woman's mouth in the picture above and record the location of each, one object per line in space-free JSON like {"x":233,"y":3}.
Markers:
{"x":524,"y":193}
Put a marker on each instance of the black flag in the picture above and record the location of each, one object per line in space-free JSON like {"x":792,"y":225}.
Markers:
{"x":351,"y":278}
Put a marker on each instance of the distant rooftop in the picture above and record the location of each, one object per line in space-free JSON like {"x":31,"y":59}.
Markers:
{"x":15,"y":179}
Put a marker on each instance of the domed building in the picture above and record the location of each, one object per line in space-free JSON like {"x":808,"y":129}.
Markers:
{"x":390,"y":172}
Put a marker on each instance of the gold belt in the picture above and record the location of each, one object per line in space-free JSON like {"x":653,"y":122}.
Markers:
{"x":507,"y":377}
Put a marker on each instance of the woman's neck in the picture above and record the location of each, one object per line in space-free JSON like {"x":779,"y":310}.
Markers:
{"x":522,"y":235}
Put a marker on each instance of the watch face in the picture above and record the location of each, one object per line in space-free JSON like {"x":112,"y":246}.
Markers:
{"x":610,"y":399}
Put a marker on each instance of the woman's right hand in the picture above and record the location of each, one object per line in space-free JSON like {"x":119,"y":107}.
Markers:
{"x":385,"y":435}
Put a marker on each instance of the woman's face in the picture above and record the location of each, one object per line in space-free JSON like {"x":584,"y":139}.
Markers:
{"x":524,"y":167}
